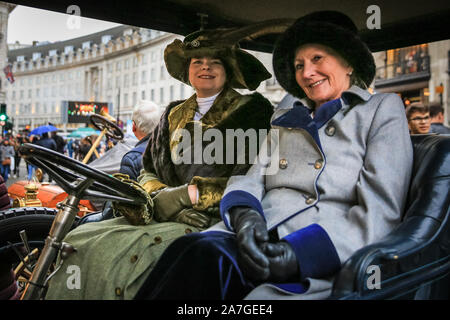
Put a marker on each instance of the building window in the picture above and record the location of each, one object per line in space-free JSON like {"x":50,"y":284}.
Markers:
{"x":143,"y":94}
{"x":171,"y":93}
{"x":13,"y":95}
{"x":109,"y":84}
{"x":106,"y":38}
{"x":37,"y":107}
{"x":181,"y":91}
{"x":86,"y":45}
{"x":126,"y":81}
{"x":109,"y":68}
{"x":118,"y":65}
{"x":144,"y":77}
{"x":125,"y":99}
{"x":144,"y":59}
{"x":135,"y":79}
{"x":68,"y":49}
{"x":29,"y":94}
{"x":38,"y":92}
{"x":118,"y":82}
{"x":152,"y":75}
{"x":161,"y":95}
{"x":21,"y":94}
{"x":162,"y":73}
{"x":152,"y":94}
{"x":135,"y":61}
{"x":127,"y":64}
{"x":134,"y":101}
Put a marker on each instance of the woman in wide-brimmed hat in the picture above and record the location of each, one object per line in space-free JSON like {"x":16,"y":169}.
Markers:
{"x":343,"y":161}
{"x":115,"y":256}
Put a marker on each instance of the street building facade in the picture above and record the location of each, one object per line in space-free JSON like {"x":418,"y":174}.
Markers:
{"x":118,"y":66}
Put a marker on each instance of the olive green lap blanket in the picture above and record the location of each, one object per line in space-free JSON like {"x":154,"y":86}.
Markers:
{"x":112,"y":260}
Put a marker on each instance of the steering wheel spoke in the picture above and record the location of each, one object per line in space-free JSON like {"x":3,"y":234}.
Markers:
{"x":68,"y":173}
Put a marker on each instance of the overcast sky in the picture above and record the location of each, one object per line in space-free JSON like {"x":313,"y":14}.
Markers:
{"x":27,"y":24}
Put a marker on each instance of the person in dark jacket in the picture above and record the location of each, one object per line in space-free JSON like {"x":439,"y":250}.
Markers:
{"x":59,"y":141}
{"x":45,"y":142}
{"x":145,"y":117}
{"x":437,"y":120}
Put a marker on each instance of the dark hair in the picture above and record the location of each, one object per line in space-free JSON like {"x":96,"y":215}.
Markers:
{"x":416,"y":107}
{"x":435,"y":109}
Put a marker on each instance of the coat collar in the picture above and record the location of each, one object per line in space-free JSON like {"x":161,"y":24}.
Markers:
{"x":299,"y":115}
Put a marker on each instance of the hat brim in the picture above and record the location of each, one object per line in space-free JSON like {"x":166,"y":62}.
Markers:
{"x":344,"y":42}
{"x":247,"y":72}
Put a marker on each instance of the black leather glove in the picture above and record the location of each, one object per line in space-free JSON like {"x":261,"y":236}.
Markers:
{"x":283,"y":262}
{"x":170,"y":201}
{"x":251,"y":234}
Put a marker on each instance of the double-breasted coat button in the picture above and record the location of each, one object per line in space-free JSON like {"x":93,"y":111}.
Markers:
{"x":157,"y":239}
{"x":188,"y":231}
{"x":118,"y":291}
{"x":318,"y":164}
{"x":310,"y":200}
{"x":283,"y":164}
{"x":330,"y":130}
{"x":134,"y":258}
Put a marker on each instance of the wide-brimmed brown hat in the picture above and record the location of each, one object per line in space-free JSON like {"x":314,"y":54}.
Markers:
{"x":244,"y":71}
{"x":329,"y":28}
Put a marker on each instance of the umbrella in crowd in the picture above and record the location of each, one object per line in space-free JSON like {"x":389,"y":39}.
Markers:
{"x":43,"y":129}
{"x":83,"y":132}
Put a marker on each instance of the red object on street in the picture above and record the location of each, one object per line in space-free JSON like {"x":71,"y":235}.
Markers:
{"x":49,"y":195}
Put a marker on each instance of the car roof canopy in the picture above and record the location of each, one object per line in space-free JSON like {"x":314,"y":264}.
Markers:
{"x":403,"y":22}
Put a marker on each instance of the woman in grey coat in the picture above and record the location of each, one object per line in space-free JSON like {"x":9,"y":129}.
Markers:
{"x":7,"y":154}
{"x":332,"y":179}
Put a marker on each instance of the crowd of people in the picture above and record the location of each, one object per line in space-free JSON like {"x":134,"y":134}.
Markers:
{"x":239,"y":229}
{"x":76,"y":148}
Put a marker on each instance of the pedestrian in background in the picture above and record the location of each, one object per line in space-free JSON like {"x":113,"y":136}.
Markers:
{"x":7,"y":159}
{"x":437,"y":120}
{"x":418,"y":116}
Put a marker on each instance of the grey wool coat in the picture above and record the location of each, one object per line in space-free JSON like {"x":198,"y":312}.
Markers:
{"x":329,"y":184}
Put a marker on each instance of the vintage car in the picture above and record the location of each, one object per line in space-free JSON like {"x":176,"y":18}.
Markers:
{"x":414,"y":258}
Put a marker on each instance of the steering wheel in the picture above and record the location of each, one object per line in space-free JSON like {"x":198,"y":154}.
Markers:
{"x":78,"y":179}
{"x":112,"y":130}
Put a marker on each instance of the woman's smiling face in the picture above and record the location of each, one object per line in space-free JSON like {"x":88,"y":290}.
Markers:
{"x":207,"y":76}
{"x":321,"y":73}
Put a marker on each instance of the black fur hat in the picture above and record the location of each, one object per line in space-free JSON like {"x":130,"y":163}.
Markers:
{"x":330,"y":28}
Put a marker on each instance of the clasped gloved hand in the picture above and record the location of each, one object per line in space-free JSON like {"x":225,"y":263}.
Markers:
{"x":192,"y":217}
{"x":170,"y":201}
{"x":252,"y":236}
{"x":283,"y":262}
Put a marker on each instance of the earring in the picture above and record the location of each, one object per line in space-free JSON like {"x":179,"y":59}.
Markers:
{"x":350,"y":73}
